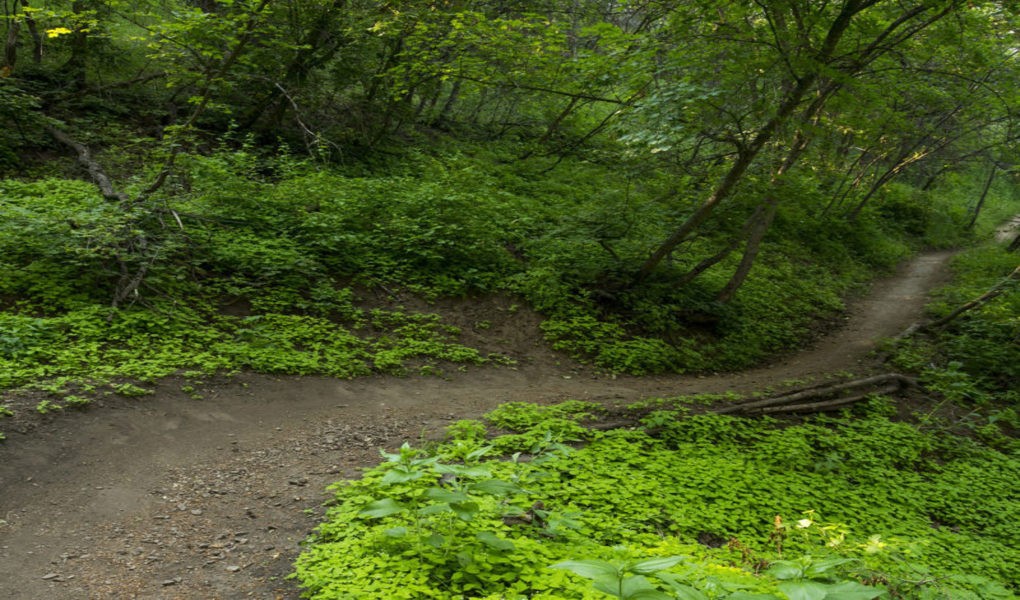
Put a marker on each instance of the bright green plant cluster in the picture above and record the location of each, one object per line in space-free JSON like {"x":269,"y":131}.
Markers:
{"x":94,"y":345}
{"x":710,"y":507}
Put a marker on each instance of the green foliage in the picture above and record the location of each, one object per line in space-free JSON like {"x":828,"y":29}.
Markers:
{"x":626,"y":581}
{"x":130,"y":390}
{"x":458,"y":149}
{"x":283,"y":254}
{"x":44,"y":407}
{"x":907,"y":513}
{"x":60,"y":247}
{"x":73,"y":401}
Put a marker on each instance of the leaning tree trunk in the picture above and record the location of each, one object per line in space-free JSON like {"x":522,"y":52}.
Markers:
{"x":981,"y":200}
{"x":749,"y":152}
{"x":751,"y":250}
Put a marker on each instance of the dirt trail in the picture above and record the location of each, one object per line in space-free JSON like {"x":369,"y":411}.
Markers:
{"x":169,"y":497}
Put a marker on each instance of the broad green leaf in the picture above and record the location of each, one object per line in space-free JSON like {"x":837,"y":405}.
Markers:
{"x":804,"y":590}
{"x":784,"y":569}
{"x":494,"y":487}
{"x":400,"y":475}
{"x":436,"y":541}
{"x":450,"y":496}
{"x":823,"y":566}
{"x":382,"y":508}
{"x":396,"y":532}
{"x":592,"y":569}
{"x":629,"y":587}
{"x":435,"y":509}
{"x":654,"y":565}
{"x":649,"y":595}
{"x":851,"y":590}
{"x":478,"y":453}
{"x":465,"y":511}
{"x":686,"y":592}
{"x":493,"y":541}
{"x":472,"y":472}
{"x":681,"y":591}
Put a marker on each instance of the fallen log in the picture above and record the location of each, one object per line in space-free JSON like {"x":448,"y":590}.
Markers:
{"x":816,"y":392}
{"x":817,"y":398}
{"x":828,"y":404}
{"x":995,"y":291}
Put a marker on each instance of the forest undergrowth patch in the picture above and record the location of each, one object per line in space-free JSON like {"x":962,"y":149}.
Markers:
{"x":292,"y":244}
{"x":854,"y":506}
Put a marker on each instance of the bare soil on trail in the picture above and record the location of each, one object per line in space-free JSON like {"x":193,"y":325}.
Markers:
{"x":168,"y":497}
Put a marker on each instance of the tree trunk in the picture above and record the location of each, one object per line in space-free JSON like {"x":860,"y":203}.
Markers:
{"x":981,"y":200}
{"x":94,"y":169}
{"x":318,"y":46}
{"x":77,"y":65}
{"x":33,"y":32}
{"x":765,"y":134}
{"x":767,"y":212}
{"x":754,"y":240}
{"x":451,"y":100}
{"x":11,"y":47}
{"x":716,"y":258}
{"x":553,"y":126}
{"x":793,"y":400}
{"x":699,"y":216}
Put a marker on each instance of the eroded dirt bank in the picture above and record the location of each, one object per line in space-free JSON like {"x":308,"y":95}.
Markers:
{"x":169,"y":497}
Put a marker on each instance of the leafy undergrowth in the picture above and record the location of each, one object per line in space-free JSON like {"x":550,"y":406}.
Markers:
{"x":93,"y":348}
{"x":255,"y":262}
{"x":709,"y":507}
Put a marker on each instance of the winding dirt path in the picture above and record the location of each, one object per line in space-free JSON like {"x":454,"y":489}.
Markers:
{"x":170,"y":497}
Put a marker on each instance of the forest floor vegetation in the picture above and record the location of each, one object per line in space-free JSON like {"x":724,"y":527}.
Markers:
{"x":175,"y":496}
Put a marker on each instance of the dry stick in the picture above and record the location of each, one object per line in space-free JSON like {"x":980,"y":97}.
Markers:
{"x":816,"y":392}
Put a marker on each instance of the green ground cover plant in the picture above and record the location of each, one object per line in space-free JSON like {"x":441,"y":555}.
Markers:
{"x":709,"y":506}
